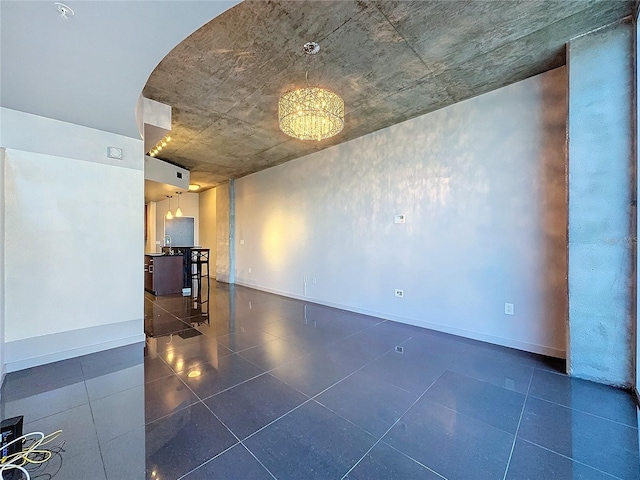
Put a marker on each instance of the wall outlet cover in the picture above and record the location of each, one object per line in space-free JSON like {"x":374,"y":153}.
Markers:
{"x":508,"y":308}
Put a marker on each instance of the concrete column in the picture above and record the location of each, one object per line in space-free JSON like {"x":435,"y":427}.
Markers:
{"x":602,"y":212}
{"x":637,"y":105}
{"x":225,"y":233}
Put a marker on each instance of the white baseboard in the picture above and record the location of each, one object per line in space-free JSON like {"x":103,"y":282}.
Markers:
{"x":35,"y":351}
{"x":505,"y":342}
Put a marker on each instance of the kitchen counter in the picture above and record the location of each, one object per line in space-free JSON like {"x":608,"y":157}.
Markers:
{"x":185,"y":253}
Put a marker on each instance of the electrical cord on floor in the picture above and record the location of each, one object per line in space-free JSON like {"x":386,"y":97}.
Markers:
{"x":30,"y":454}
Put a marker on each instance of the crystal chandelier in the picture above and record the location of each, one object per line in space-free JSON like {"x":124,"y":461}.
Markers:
{"x":311,"y":113}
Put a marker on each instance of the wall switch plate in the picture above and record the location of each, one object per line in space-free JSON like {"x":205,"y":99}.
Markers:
{"x":114,"y":152}
{"x":249,"y":269}
{"x":241,"y":242}
{"x":313,"y":280}
{"x":508,"y":308}
{"x":399,"y":218}
{"x":399,"y":293}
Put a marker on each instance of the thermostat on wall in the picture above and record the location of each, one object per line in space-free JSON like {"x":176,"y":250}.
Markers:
{"x":114,"y":152}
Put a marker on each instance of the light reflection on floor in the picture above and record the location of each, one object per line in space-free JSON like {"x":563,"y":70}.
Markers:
{"x":242,"y":384}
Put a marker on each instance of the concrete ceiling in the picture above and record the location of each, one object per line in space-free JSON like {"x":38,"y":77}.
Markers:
{"x":389,"y":60}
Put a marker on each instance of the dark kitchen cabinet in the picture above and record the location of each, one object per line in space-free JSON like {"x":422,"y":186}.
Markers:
{"x":163,"y":275}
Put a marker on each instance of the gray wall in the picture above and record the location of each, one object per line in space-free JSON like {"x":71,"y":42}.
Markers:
{"x":601,"y":173}
{"x":482,"y":185}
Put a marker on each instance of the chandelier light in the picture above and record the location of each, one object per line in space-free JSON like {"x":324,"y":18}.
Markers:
{"x":311,"y":113}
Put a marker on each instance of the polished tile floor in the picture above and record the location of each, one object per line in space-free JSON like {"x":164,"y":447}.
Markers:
{"x":241,"y":384}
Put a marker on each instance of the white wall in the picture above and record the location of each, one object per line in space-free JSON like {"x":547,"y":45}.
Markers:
{"x":208,"y":236}
{"x":190,"y":206}
{"x":482,"y":185}
{"x":74,"y":240}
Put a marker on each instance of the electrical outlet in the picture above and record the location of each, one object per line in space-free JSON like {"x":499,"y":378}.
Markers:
{"x":241,"y":242}
{"x":508,"y":308}
{"x":399,"y":293}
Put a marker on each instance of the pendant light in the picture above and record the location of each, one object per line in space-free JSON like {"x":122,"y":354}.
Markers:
{"x":178,"y":211}
{"x":311,"y":113}
{"x":169,"y":215}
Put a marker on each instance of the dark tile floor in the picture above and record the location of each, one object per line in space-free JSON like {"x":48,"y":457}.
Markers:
{"x":241,"y":384}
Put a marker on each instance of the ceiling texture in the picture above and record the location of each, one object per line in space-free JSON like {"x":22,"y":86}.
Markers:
{"x":389,"y":60}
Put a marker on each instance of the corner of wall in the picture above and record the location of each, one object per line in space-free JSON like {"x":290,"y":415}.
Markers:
{"x":224,"y":232}
{"x":2,"y":270}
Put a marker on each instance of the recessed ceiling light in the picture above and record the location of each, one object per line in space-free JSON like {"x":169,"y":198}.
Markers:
{"x":64,"y":10}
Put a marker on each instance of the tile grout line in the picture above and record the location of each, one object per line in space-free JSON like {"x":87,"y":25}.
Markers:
{"x":309,"y":398}
{"x":258,"y":460}
{"x":276,"y":419}
{"x":183,"y":382}
{"x":582,"y":411}
{"x":412,"y":459}
{"x":571,"y":459}
{"x":359,"y":369}
{"x":515,"y":435}
{"x":338,"y":381}
{"x":238,"y":442}
{"x":391,"y":427}
{"x":527,"y":395}
{"x":200,"y":399}
{"x":207,"y":461}
{"x":95,"y":427}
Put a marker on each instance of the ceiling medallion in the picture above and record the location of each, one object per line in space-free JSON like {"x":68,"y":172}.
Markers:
{"x":311,"y":113}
